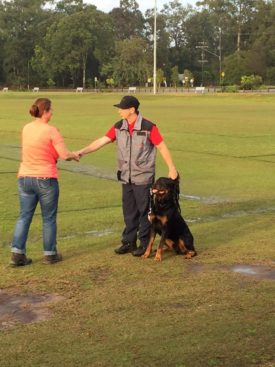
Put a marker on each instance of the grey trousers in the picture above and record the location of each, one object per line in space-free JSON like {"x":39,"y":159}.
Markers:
{"x":135,"y":204}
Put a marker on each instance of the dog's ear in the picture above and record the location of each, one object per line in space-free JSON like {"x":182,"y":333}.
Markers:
{"x":177,"y":179}
{"x":177,"y":184}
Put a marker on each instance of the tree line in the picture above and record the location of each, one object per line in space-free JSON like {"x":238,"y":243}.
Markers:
{"x":68,"y":43}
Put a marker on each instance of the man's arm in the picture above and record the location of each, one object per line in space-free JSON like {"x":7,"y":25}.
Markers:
{"x":95,"y":145}
{"x":165,"y":153}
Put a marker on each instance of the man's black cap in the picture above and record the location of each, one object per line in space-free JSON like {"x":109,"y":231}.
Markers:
{"x":128,"y":102}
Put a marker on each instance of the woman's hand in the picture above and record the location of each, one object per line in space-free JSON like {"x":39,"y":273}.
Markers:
{"x":74,"y":156}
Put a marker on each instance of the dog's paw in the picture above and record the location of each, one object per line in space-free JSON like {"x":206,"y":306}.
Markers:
{"x":157,"y":258}
{"x":190,"y":254}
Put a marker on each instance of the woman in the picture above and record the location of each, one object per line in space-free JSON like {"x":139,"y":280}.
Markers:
{"x":42,"y":145}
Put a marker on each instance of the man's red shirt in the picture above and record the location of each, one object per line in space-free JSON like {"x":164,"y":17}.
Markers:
{"x":155,"y":136}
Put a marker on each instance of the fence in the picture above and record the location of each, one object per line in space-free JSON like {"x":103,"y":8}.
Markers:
{"x":143,"y":90}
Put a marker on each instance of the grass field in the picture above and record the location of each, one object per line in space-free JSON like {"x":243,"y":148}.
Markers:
{"x":120,"y":311}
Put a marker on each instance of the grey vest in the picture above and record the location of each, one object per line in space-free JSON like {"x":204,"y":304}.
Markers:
{"x":136,"y":155}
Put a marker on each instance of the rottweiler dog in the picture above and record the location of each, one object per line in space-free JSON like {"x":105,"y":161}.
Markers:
{"x":167,"y":221}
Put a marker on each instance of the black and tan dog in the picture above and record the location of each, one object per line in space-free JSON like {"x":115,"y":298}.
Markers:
{"x":167,"y":221}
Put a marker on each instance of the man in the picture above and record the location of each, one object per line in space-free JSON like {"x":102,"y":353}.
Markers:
{"x":137,"y":140}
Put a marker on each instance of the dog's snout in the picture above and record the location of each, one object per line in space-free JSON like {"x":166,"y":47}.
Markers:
{"x":159,"y":191}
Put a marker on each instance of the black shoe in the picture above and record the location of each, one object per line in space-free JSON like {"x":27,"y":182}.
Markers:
{"x":139,"y":251}
{"x":125,"y":248}
{"x":19,"y":259}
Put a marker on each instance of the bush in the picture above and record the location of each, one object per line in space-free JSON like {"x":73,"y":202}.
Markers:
{"x":231,"y":88}
{"x":251,"y":81}
{"x":50,"y":83}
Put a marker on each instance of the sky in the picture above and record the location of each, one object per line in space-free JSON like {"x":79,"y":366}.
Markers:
{"x":107,"y":5}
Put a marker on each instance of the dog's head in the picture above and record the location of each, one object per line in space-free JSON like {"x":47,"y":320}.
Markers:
{"x":165,"y":188}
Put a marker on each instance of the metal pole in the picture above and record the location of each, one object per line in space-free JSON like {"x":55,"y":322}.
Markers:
{"x":155,"y":48}
{"x":28,"y":74}
{"x":202,"y":62}
{"x":220,"y":54}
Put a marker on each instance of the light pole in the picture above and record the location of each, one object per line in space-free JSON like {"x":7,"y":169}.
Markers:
{"x":220,"y":61}
{"x":220,"y":53}
{"x":155,"y":49}
{"x":204,"y":48}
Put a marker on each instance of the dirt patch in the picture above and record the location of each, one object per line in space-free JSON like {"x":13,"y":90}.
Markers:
{"x":27,"y":308}
{"x":99,"y":274}
{"x":257,"y":271}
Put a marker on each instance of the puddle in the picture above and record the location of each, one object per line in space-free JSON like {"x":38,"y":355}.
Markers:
{"x":94,"y":233}
{"x":102,"y":233}
{"x":85,"y":169}
{"x":256,"y":271}
{"x":27,"y":308}
{"x":235,"y":214}
{"x":261,"y":272}
{"x":205,"y":199}
{"x":244,"y":269}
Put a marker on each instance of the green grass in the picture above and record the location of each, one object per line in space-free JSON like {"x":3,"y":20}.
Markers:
{"x":122,"y":311}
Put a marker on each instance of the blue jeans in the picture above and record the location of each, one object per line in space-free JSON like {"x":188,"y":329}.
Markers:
{"x":31,"y":191}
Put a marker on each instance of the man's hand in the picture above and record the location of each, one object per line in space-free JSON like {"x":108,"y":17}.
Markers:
{"x":76,"y":156}
{"x":79,"y":153}
{"x":173,"y":173}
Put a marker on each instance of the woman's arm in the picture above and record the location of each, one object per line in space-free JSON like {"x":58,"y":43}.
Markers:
{"x":65,"y":154}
